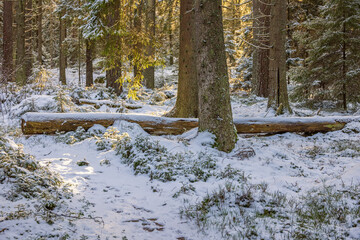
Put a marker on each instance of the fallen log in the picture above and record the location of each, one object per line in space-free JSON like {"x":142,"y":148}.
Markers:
{"x":98,"y":103}
{"x":50,"y":123}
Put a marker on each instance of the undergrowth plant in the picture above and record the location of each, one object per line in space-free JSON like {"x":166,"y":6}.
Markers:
{"x":250,"y":211}
{"x":73,"y":136}
{"x":24,"y":177}
{"x":150,"y":157}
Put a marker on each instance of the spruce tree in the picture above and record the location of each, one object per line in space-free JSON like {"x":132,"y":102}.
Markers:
{"x":215,"y":114}
{"x":332,"y":69}
{"x":187,"y":97}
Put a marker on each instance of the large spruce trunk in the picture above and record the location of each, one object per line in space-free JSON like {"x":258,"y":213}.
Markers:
{"x":278,"y":96}
{"x":187,"y":103}
{"x":215,"y":114}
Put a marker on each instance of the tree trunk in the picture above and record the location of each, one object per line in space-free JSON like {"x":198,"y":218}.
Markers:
{"x":215,"y":114}
{"x":79,"y":54}
{"x":62,"y":57}
{"x":138,"y":46}
{"x":344,"y":68}
{"x":113,"y":75}
{"x":261,"y":24}
{"x":28,"y":38}
{"x":39,"y":32}
{"x":149,"y":73}
{"x":8,"y":67}
{"x":20,"y":43}
{"x":278,"y":95}
{"x":112,"y":79}
{"x":89,"y":63}
{"x":187,"y":102}
{"x":171,"y":44}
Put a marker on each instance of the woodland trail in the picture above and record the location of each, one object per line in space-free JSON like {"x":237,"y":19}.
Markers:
{"x":124,"y":205}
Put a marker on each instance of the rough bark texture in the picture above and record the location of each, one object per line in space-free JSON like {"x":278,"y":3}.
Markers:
{"x":278,"y":96}
{"x":187,"y":103}
{"x":20,"y":43}
{"x":8,"y":67}
{"x":261,"y":24}
{"x":89,"y":63}
{"x":62,"y":57}
{"x":166,"y":126}
{"x":215,"y":114}
{"x":149,"y":73}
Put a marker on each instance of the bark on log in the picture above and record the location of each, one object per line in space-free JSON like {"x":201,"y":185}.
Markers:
{"x":50,"y":123}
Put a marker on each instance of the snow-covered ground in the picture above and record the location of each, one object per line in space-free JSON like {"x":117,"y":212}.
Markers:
{"x":127,"y":184}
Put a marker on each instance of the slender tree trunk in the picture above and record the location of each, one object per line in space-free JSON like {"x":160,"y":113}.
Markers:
{"x":187,"y":98}
{"x":114,"y":74}
{"x":344,"y":70}
{"x":53,"y":44}
{"x":20,"y":43}
{"x":89,"y":63}
{"x":261,"y":25}
{"x":278,"y":95}
{"x":138,"y":46}
{"x":29,"y":38}
{"x":39,"y":32}
{"x":344,"y":91}
{"x":149,"y":73}
{"x":171,"y":45}
{"x":62,"y":58}
{"x":8,"y":66}
{"x":79,"y":55}
{"x":233,"y":20}
{"x":215,"y":114}
{"x":232,"y":29}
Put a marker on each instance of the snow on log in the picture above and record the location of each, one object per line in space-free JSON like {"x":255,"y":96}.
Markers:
{"x":291,"y":124}
{"x":50,"y":123}
{"x":98,"y":103}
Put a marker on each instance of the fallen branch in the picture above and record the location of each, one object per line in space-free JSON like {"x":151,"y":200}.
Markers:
{"x":50,"y":123}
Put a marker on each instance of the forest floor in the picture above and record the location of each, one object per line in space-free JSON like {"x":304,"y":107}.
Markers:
{"x":122,"y":183}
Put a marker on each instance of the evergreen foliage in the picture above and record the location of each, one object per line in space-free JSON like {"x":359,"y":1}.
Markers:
{"x":120,"y":39}
{"x":331,"y":70}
